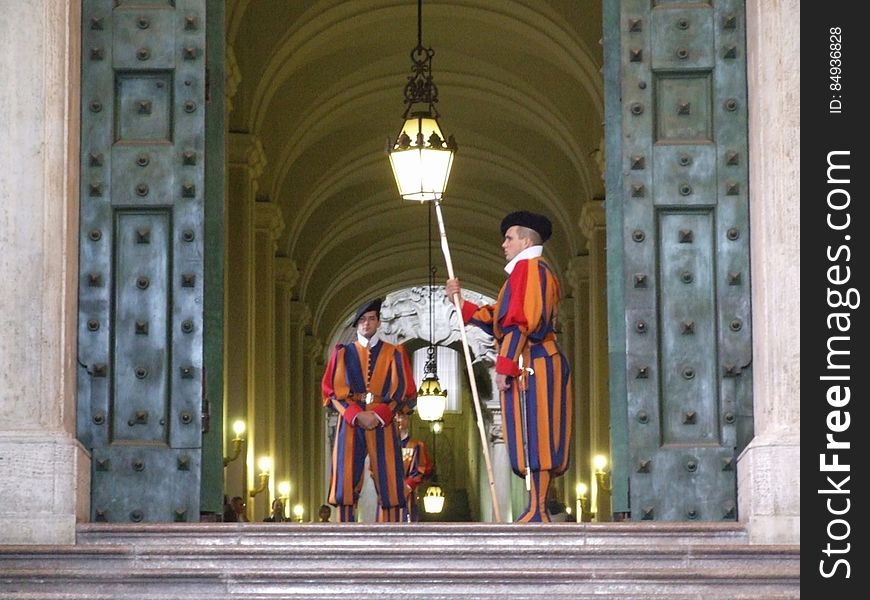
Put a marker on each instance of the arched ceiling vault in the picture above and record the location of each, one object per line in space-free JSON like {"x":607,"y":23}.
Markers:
{"x":321,"y":88}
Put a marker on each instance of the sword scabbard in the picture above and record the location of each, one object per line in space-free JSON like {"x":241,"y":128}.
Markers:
{"x":522,"y":387}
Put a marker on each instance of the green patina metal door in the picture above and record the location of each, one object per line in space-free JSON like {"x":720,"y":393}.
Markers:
{"x":679,"y":252}
{"x":141,"y":294}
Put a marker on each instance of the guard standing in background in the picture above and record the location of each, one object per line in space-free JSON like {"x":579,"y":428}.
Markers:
{"x":368,"y":382}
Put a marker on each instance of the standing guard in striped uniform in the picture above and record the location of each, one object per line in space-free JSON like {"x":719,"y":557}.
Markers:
{"x":368,"y":382}
{"x":532,"y":372}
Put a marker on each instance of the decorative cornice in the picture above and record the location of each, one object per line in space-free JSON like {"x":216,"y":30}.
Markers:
{"x":268,"y":216}
{"x":286,"y":272}
{"x":592,"y":217}
{"x":300,"y":314}
{"x":313,"y":348}
{"x":566,"y":311}
{"x":232,"y":78}
{"x":598,"y":158}
{"x":246,"y":150}
{"x":578,"y":272}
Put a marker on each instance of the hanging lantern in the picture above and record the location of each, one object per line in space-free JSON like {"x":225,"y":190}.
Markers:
{"x":421,"y":159}
{"x":431,"y":399}
{"x":420,"y":156}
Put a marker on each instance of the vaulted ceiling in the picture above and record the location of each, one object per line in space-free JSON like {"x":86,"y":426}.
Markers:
{"x":320,"y":84}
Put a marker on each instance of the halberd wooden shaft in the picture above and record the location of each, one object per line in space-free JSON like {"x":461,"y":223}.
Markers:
{"x":445,"y":248}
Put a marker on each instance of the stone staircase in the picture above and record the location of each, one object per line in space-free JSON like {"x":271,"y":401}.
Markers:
{"x":705,"y":561}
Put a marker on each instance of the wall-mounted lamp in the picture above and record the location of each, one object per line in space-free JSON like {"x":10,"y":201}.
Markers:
{"x":239,"y":430}
{"x":265,"y":464}
{"x":433,"y":501}
{"x":284,"y":495}
{"x":298,"y":511}
{"x":602,"y":476}
{"x":583,"y":513}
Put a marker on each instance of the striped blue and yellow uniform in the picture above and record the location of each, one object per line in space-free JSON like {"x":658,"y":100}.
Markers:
{"x":522,"y":322}
{"x":354,"y":371}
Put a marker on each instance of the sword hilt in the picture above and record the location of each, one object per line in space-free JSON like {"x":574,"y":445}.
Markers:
{"x":523,"y":377}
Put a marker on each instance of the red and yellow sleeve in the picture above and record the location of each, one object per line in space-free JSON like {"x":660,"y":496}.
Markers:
{"x":522,"y":314}
{"x":334,"y":387}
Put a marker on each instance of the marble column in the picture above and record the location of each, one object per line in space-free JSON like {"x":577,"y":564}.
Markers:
{"x":300,"y":316}
{"x":501,"y":466}
{"x":286,"y":276}
{"x":44,"y":471}
{"x":313,"y":494}
{"x":268,"y":227}
{"x":321,"y":456}
{"x":245,"y":163}
{"x":577,"y":279}
{"x":565,"y":332}
{"x":592,"y":223}
{"x":768,"y":470}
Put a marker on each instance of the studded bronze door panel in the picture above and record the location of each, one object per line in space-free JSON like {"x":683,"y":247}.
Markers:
{"x":686,"y":255}
{"x":141,"y":258}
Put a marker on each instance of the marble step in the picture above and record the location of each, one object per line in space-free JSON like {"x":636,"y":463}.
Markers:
{"x":412,"y":534}
{"x":151,"y":557}
{"x":394,"y":582}
{"x":455,"y":560}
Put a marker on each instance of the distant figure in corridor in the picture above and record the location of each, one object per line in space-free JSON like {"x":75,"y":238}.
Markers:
{"x":418,"y":467}
{"x":324,"y":513}
{"x":368,"y":382}
{"x":235,"y":511}
{"x":277,"y":514}
{"x":522,"y":321}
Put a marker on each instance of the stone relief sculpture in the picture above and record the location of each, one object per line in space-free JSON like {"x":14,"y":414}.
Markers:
{"x":405,"y":316}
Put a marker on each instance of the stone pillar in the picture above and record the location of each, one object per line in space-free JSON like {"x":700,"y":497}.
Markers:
{"x":323,"y":452}
{"x":592,"y":223}
{"x":268,"y":226}
{"x":286,"y":276}
{"x":501,"y":466}
{"x":565,"y":331}
{"x":245,"y":163}
{"x":768,"y":470}
{"x":577,"y":278}
{"x":312,"y":495}
{"x":300,"y":316}
{"x":44,"y":471}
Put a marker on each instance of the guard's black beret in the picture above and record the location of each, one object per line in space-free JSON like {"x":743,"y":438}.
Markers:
{"x":365,"y":307}
{"x":524,"y":218}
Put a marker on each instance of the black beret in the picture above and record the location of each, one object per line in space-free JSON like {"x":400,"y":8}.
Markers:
{"x":534,"y":221}
{"x":365,"y":307}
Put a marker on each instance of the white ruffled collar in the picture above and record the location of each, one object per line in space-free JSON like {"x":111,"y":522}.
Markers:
{"x":530,"y":252}
{"x":366,"y":343}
